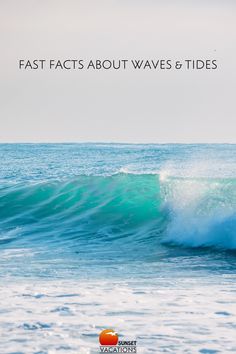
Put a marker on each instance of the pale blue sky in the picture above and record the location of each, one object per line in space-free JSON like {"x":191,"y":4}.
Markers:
{"x":118,"y":106}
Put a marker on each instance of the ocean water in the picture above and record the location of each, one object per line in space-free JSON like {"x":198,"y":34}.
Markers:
{"x":138,"y":238}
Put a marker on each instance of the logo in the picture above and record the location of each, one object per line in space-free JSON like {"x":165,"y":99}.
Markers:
{"x":110,"y":343}
{"x":108,"y":337}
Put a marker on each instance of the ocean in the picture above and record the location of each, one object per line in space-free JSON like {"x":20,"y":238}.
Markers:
{"x":140,"y":238}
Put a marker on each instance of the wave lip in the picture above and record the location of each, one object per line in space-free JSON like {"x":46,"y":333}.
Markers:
{"x":202,"y":212}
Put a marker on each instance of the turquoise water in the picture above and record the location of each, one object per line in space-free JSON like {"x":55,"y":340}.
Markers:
{"x":97,"y":221}
{"x":97,"y":208}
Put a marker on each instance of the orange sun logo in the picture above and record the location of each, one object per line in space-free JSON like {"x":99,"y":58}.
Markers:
{"x":108,"y":337}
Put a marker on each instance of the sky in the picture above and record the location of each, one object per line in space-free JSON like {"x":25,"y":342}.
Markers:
{"x":145,"y":106}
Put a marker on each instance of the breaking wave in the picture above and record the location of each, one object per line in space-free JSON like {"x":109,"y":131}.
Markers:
{"x":189,"y":212}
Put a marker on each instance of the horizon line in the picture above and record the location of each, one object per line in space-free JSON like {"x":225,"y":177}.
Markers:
{"x":115,"y":142}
